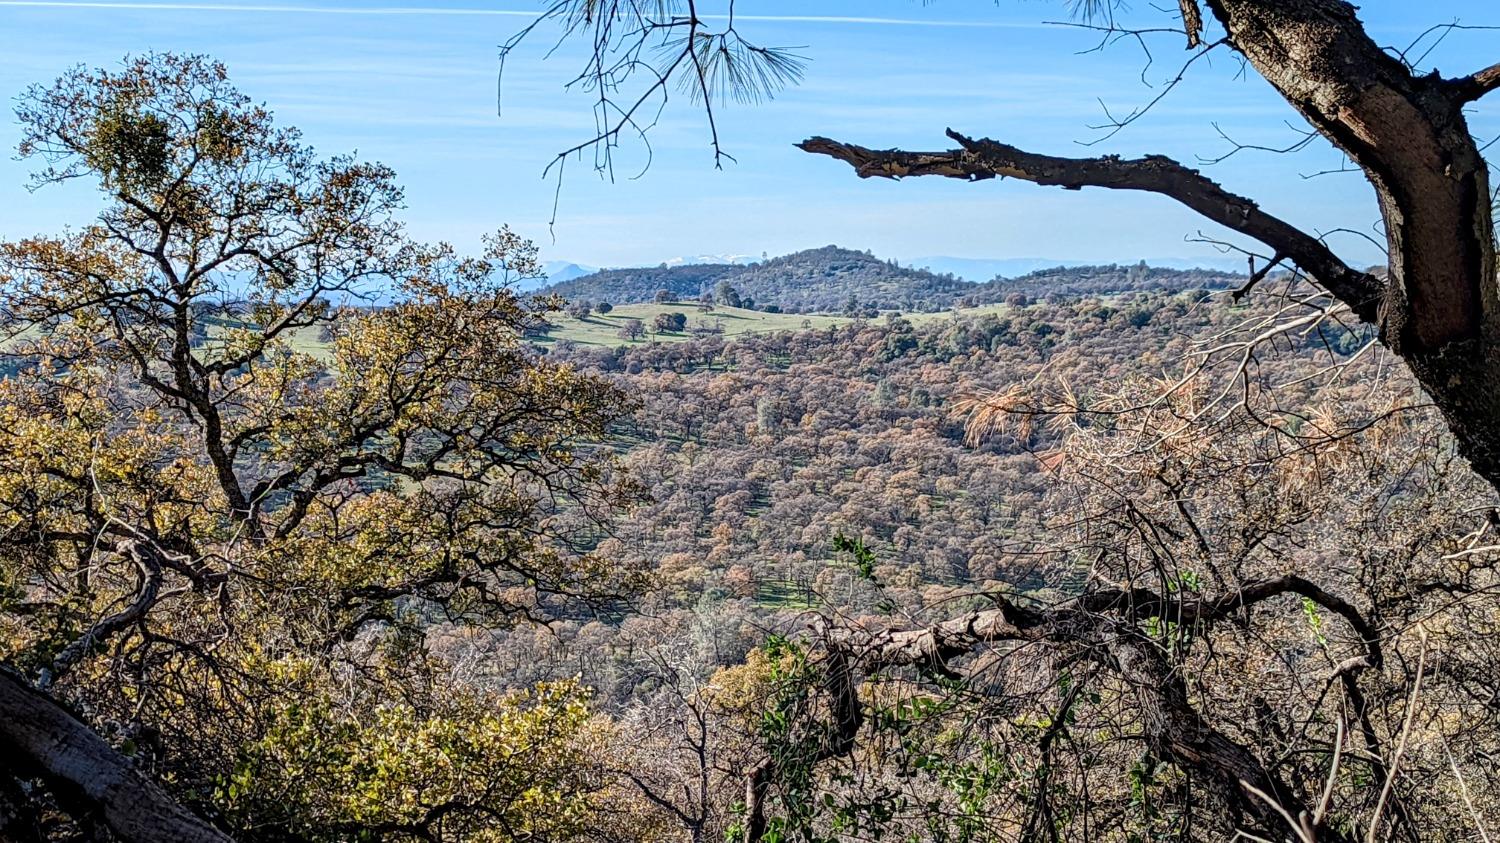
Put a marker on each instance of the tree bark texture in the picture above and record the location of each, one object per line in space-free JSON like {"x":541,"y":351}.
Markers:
{"x":39,"y":737}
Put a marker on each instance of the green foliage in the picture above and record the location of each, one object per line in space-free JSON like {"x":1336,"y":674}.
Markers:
{"x":129,"y":151}
{"x":674,"y":322}
{"x":1314,"y":617}
{"x":791,"y":736}
{"x":863,"y":557}
{"x":511,"y":767}
{"x":239,"y":545}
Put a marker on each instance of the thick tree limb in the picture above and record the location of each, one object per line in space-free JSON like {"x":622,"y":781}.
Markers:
{"x":1192,"y":22}
{"x":1107,"y":623}
{"x":37,"y":733}
{"x":933,"y":647}
{"x":1477,"y":85}
{"x":1257,"y":592}
{"x":1440,"y":309}
{"x":985,"y":159}
{"x":1409,"y":136}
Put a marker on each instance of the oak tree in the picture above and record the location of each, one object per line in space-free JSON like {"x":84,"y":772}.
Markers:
{"x":224,"y":543}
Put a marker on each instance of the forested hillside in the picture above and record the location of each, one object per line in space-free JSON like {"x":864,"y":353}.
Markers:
{"x":311,"y":530}
{"x":832,"y":279}
{"x":760,"y":450}
{"x":825,"y":474}
{"x":640,"y":285}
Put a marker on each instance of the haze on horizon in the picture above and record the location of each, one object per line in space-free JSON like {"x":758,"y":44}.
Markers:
{"x":415,"y":87}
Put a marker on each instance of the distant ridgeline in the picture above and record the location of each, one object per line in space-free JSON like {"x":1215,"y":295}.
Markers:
{"x":832,"y":279}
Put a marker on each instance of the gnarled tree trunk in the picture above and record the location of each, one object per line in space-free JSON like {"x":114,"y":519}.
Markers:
{"x":1106,"y":625}
{"x":1440,"y":310}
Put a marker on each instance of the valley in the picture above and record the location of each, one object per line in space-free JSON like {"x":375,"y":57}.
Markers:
{"x":337,"y":508}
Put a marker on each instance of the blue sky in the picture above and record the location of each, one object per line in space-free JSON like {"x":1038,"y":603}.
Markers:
{"x":415,"y":87}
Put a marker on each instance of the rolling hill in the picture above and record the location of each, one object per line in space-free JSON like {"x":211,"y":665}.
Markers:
{"x":837,"y":280}
{"x":815,"y":280}
{"x":639,"y":284}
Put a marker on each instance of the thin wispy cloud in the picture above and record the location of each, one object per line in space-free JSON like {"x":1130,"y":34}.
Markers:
{"x":461,"y":11}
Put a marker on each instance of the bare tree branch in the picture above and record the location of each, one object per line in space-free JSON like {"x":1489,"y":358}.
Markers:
{"x":1257,"y":276}
{"x":985,"y":159}
{"x":1476,"y":85}
{"x":149,"y":587}
{"x":1105,"y":623}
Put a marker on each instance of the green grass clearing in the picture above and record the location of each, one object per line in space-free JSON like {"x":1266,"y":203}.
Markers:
{"x":603,"y":329}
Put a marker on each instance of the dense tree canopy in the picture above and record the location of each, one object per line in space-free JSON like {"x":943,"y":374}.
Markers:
{"x":823,"y":280}
{"x":222,"y":538}
{"x":1140,"y":621}
{"x":1288,"y":610}
{"x":303,"y":537}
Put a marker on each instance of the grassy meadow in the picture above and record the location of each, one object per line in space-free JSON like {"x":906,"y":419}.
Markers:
{"x":603,"y":329}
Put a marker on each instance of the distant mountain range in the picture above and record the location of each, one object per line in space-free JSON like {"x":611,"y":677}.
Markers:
{"x":837,"y":279}
{"x":978,"y":270}
{"x":741,"y":260}
{"x":559,"y":271}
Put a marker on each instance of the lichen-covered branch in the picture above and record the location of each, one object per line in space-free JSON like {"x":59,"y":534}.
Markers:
{"x":1108,"y":625}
